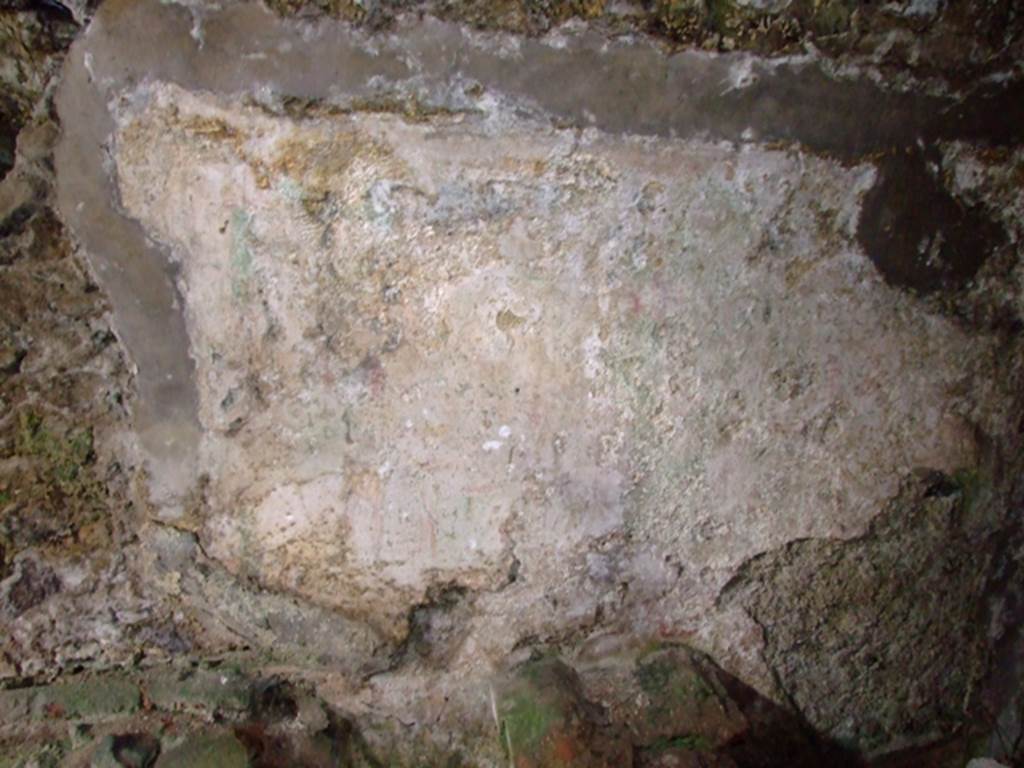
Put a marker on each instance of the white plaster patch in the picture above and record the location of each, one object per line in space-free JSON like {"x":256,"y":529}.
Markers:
{"x":427,"y":351}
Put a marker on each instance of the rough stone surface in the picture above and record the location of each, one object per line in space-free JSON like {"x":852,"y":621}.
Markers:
{"x":210,"y":751}
{"x":126,"y":750}
{"x":89,"y":699}
{"x":545,"y":721}
{"x":922,"y":560}
{"x":67,"y":597}
{"x":216,"y":691}
{"x":444,"y":349}
{"x":446,"y":360}
{"x":32,"y":44}
{"x":908,"y":40}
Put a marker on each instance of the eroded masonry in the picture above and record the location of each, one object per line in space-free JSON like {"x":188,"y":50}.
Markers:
{"x":554,"y":400}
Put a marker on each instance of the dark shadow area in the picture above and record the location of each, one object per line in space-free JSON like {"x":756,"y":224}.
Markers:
{"x":8,"y":140}
{"x":777,"y":737}
{"x":135,"y":750}
{"x":916,"y":233}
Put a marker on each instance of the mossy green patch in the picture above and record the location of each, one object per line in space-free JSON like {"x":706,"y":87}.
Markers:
{"x":661,"y":678}
{"x":721,"y":15}
{"x":526,"y":721}
{"x":653,"y":676}
{"x":222,"y":689}
{"x":33,"y":755}
{"x":349,"y":10}
{"x":65,"y":453}
{"x":831,"y":18}
{"x":221,"y":750}
{"x":90,"y":699}
{"x":680,"y":18}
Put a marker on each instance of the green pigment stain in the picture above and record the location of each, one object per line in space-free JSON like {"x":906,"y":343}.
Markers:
{"x":290,"y":190}
{"x":241,"y":252}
